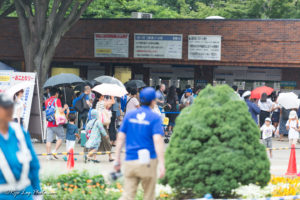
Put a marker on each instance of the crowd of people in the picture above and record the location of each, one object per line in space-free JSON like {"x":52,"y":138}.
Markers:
{"x":273,"y":120}
{"x":99,"y":116}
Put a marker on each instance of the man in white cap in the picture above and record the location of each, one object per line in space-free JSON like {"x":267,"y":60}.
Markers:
{"x":253,"y":108}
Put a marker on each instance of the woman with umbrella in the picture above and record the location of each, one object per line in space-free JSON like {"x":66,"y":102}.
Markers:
{"x":265,"y":106}
{"x":102,"y":106}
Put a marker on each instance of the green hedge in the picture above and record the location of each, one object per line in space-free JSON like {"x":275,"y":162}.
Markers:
{"x":215,"y":147}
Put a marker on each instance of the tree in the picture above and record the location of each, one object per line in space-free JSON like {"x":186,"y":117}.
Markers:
{"x":215,"y":147}
{"x":6,"y":7}
{"x":42,"y":24}
{"x":124,"y":8}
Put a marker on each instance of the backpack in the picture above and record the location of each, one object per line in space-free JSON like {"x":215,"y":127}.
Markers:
{"x":81,"y":105}
{"x":50,"y":111}
{"x":89,"y":130}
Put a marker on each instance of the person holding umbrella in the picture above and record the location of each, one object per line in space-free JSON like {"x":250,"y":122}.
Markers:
{"x":252,"y":107}
{"x":19,"y":165}
{"x":265,"y":106}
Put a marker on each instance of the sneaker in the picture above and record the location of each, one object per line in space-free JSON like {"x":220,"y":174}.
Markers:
{"x":65,"y":158}
{"x":49,"y":158}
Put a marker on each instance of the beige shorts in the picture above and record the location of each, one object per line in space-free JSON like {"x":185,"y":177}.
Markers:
{"x":136,"y":173}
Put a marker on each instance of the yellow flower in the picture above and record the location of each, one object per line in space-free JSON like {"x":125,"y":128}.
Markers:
{"x":75,"y":187}
{"x":119,"y":186}
{"x":102,"y":186}
{"x":97,"y":184}
{"x":70,"y":190}
{"x":71,"y":185}
{"x":66,"y":184}
{"x":89,"y":181}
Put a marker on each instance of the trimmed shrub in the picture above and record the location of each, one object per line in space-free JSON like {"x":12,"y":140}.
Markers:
{"x":215,"y":147}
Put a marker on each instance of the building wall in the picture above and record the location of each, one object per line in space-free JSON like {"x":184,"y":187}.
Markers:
{"x":266,"y":43}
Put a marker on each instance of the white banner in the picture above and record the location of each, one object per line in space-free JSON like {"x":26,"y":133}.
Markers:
{"x":5,"y":80}
{"x":9,"y":79}
{"x":158,"y":46}
{"x":204,"y":47}
{"x":111,"y":45}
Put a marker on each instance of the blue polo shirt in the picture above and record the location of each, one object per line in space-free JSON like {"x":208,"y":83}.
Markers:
{"x":139,"y":126}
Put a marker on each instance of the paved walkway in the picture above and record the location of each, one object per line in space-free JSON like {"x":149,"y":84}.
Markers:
{"x":279,"y":162}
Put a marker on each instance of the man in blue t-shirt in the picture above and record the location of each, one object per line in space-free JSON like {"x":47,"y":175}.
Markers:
{"x":142,"y":133}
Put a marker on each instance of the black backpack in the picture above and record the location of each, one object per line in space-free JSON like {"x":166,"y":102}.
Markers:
{"x":81,"y":105}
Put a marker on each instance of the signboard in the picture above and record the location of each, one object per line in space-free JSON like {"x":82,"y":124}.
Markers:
{"x":204,"y":47}
{"x":288,"y":85}
{"x":158,"y":46}
{"x":11,"y":79}
{"x":5,"y":80}
{"x":19,"y":78}
{"x":111,"y":45}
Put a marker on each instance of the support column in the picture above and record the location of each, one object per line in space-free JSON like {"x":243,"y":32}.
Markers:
{"x":109,"y":71}
{"x":203,"y":74}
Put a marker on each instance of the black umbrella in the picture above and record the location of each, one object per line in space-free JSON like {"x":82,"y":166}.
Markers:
{"x":110,"y":80}
{"x":135,"y":84}
{"x":63,"y":80}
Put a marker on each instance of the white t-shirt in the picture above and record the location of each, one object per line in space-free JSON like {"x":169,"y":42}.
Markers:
{"x":132,"y":104}
{"x":265,"y":106}
{"x":267,"y":131}
{"x":18,"y":108}
{"x":293,"y":134}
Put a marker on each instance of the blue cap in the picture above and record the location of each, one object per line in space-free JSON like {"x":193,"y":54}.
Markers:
{"x":189,"y":90}
{"x":147,"y":95}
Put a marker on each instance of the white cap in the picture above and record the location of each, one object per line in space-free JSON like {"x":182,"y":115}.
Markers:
{"x":268,"y":119}
{"x":293,"y":115}
{"x":246,"y":94}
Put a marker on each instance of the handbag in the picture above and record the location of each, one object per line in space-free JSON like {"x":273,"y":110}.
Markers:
{"x":60,"y":117}
{"x":105,"y":117}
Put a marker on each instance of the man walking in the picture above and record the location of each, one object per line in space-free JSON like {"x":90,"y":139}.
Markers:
{"x":142,"y":132}
{"x":83,"y":114}
{"x":161,"y":99}
{"x":52,"y":128}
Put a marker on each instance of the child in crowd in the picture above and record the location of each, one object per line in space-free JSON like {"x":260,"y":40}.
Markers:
{"x":72,"y":133}
{"x":267,"y":131}
{"x":292,"y":126}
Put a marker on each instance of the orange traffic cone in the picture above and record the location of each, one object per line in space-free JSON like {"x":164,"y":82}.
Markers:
{"x":292,"y":169}
{"x":70,"y":163}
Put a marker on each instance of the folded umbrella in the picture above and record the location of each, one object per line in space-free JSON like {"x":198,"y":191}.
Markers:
{"x":288,"y":100}
{"x":110,"y":90}
{"x":63,"y":80}
{"x":109,"y":80}
{"x":257,"y":92}
{"x":135,"y":84}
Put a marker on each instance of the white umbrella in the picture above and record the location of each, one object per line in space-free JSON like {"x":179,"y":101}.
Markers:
{"x":288,"y":100}
{"x":110,"y":90}
{"x":16,"y":88}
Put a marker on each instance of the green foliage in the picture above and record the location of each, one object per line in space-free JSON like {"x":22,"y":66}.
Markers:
{"x":198,"y":9}
{"x":78,"y":186}
{"x":215,"y":147}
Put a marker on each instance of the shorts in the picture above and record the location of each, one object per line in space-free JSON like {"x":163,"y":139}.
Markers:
{"x":58,"y":131}
{"x":268,"y":142}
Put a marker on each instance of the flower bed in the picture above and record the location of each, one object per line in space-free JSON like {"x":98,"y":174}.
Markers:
{"x":277,"y":187}
{"x":78,"y":186}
